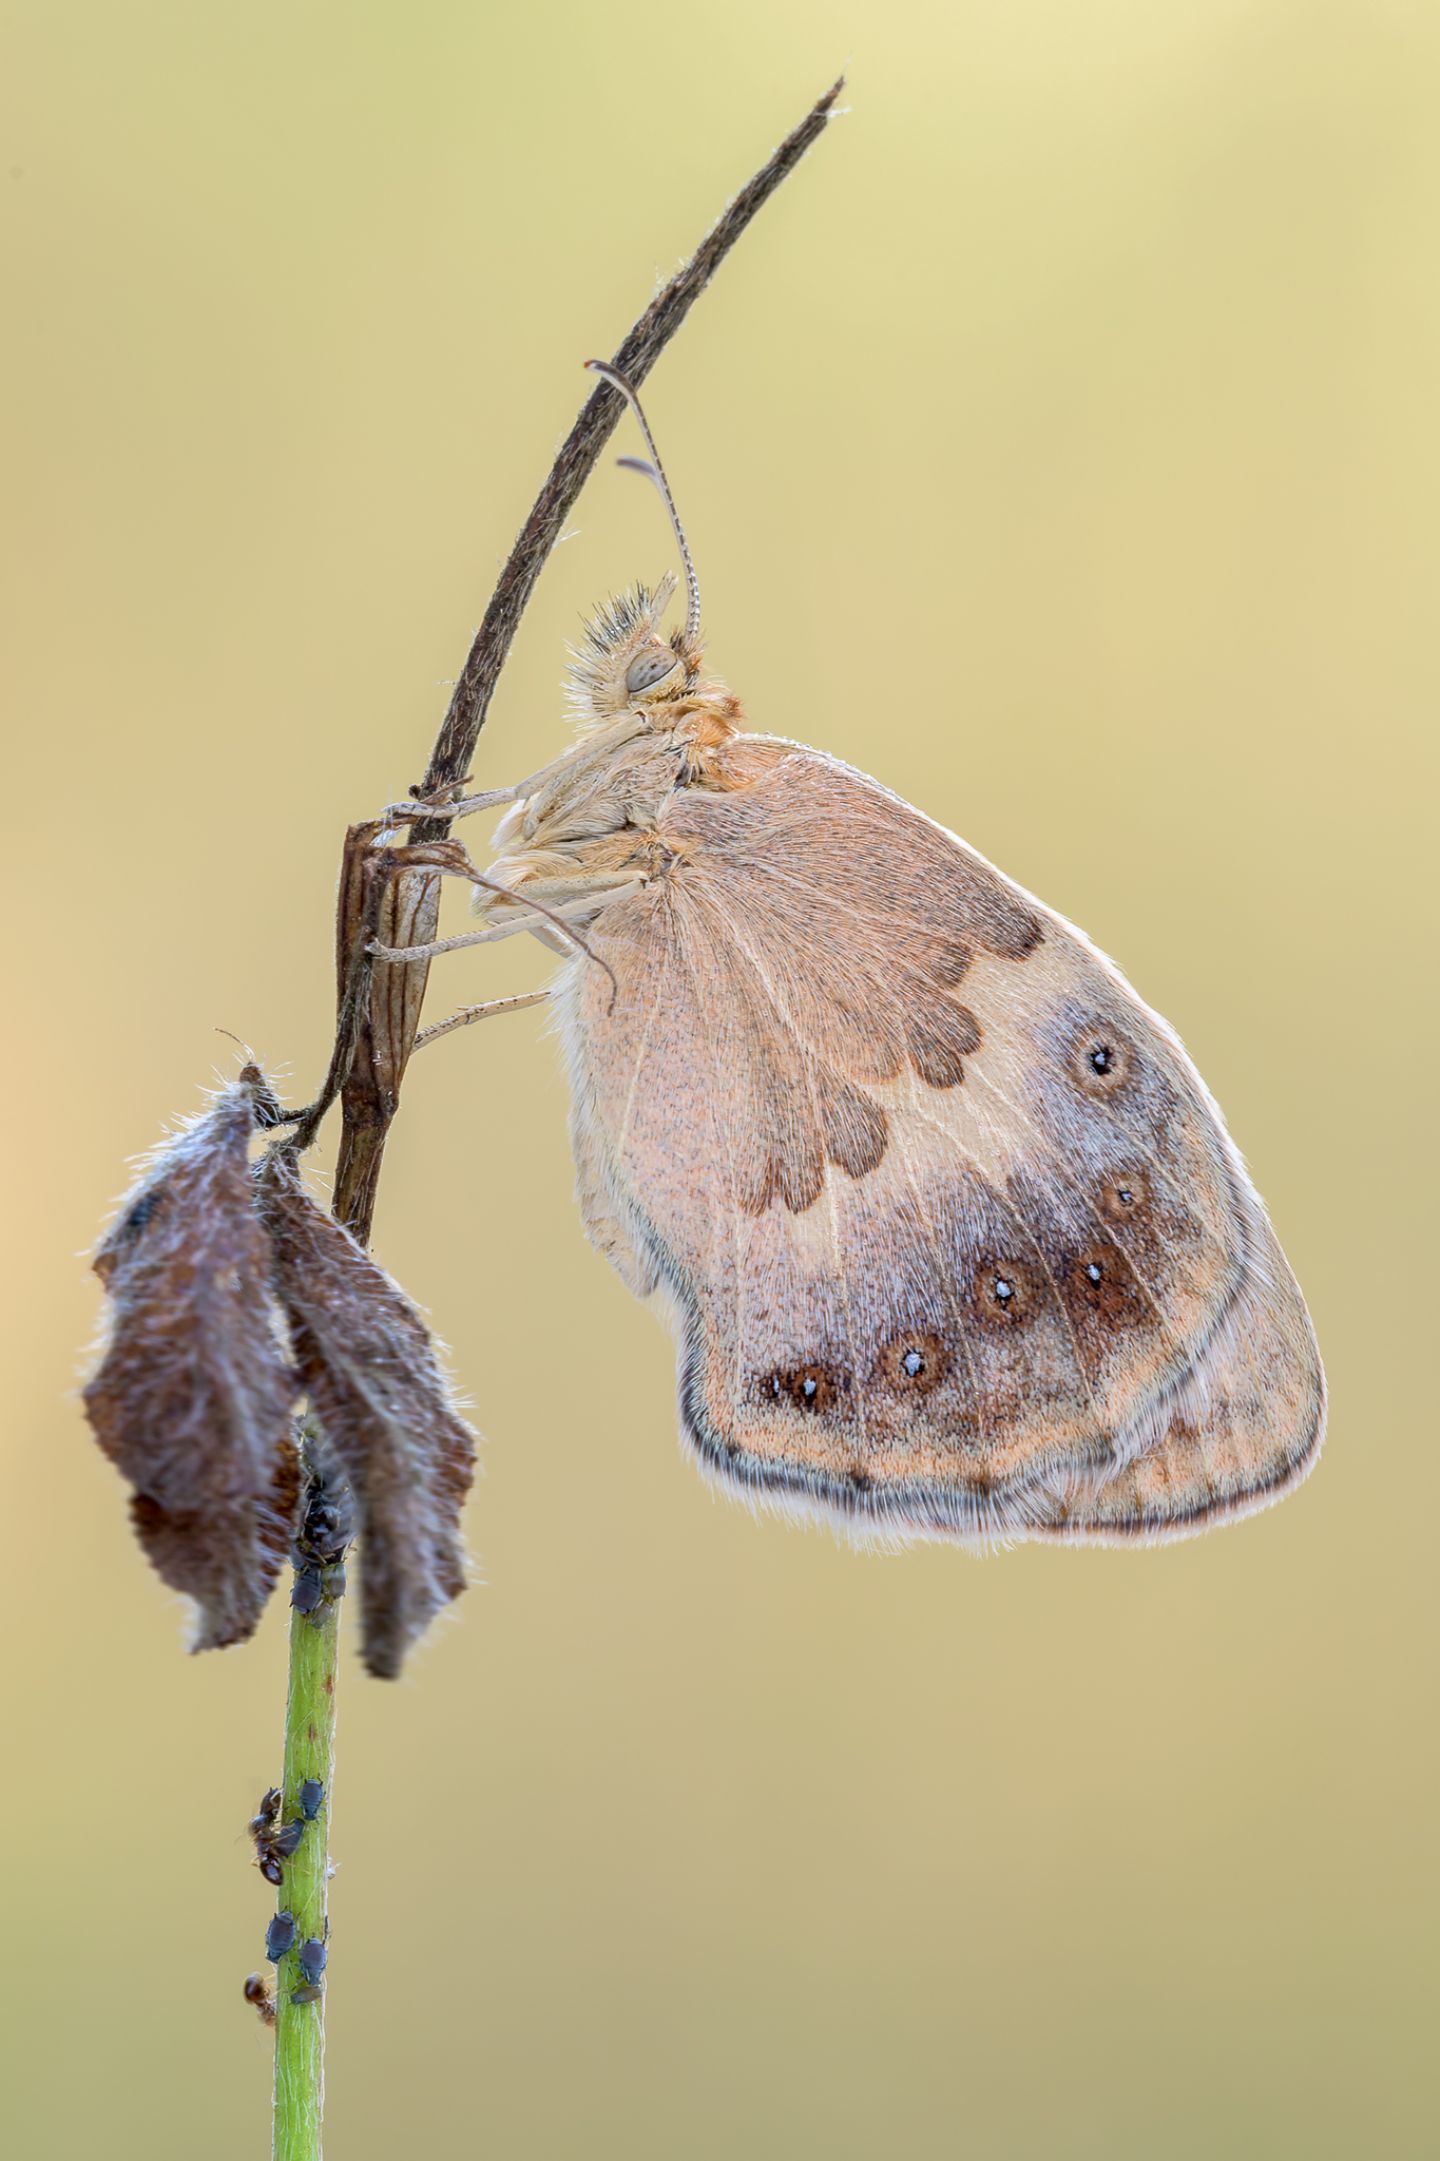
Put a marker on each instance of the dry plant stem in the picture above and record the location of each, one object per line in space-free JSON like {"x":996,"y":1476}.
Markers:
{"x":359,"y":967}
{"x":377,"y":1026}
{"x":372,"y":1092}
{"x":309,"y":1753}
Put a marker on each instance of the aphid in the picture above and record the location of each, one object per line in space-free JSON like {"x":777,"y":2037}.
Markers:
{"x":310,"y":1797}
{"x":309,"y":1993}
{"x":286,"y":1840}
{"x":318,"y":1584}
{"x":307,"y":1593}
{"x":279,"y":1935}
{"x":311,"y":1958}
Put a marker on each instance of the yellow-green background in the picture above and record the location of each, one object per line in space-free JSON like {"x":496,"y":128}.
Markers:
{"x":1062,"y":447}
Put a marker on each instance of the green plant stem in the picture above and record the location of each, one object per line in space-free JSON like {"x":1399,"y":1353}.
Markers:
{"x":309,"y":1753}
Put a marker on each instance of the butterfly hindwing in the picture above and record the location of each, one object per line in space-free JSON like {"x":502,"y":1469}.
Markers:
{"x":953,"y":1237}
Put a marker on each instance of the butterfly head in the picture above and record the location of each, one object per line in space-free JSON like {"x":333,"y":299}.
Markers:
{"x":627,"y":666}
{"x":626,"y":663}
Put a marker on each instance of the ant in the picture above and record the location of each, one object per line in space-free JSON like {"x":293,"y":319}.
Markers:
{"x":274,"y":1841}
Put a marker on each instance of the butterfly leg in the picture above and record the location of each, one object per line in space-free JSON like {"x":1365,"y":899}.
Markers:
{"x":540,"y":920}
{"x":578,"y":890}
{"x":491,"y":936}
{"x":445,"y":803}
{"x":439,"y":806}
{"x":467,"y":1014}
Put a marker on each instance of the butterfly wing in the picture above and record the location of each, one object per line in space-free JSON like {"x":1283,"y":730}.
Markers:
{"x":952,"y":1236}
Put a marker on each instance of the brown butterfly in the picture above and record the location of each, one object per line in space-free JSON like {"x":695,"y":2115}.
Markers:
{"x":950,"y":1232}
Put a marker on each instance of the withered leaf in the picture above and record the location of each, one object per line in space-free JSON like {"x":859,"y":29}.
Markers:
{"x":375,"y":1384}
{"x":193,"y":1395}
{"x":226,"y":1555}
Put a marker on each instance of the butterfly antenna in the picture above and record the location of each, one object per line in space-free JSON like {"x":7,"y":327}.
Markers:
{"x":655,"y":471}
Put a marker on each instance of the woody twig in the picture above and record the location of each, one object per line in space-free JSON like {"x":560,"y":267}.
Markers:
{"x":391,"y":1018}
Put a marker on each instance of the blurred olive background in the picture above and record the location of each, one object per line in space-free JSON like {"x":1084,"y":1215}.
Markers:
{"x":1061,"y":446}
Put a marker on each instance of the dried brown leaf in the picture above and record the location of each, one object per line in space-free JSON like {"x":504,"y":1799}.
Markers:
{"x":193,"y":1395}
{"x":226,"y":1555}
{"x":381,"y":1399}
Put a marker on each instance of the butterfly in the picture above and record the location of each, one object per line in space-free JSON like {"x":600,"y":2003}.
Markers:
{"x":950,"y":1234}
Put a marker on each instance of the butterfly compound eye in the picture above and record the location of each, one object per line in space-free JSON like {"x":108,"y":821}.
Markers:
{"x":649,"y":668}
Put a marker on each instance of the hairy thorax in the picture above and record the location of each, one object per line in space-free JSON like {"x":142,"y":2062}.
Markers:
{"x":592,"y":822}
